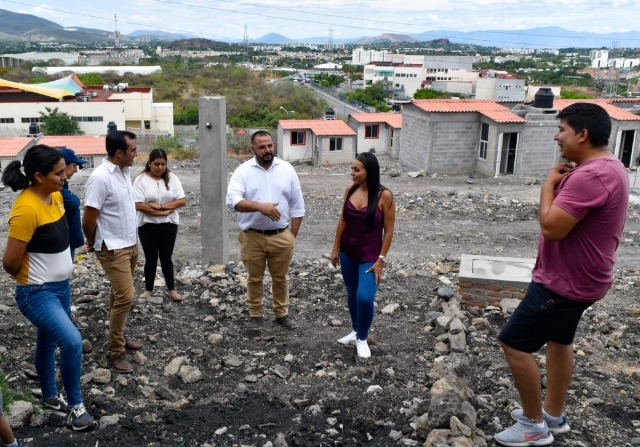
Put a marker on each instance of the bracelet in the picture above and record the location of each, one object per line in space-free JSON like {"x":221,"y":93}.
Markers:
{"x":335,"y":249}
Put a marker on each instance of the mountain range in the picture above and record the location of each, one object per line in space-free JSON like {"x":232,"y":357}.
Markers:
{"x":16,"y":26}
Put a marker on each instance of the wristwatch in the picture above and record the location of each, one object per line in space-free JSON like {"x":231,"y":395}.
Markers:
{"x":384,"y":258}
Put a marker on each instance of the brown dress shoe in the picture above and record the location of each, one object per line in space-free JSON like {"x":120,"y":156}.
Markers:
{"x":255,"y":324}
{"x":286,"y":322}
{"x":119,"y":363}
{"x":132,"y":345}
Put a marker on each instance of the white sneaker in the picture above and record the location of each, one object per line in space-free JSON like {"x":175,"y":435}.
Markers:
{"x":362,"y":347}
{"x":348,"y":338}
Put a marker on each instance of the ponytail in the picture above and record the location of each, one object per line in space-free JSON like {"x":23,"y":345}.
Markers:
{"x":13,"y":177}
{"x":39,"y":158}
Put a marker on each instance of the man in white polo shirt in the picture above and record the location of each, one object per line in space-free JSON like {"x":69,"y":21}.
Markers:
{"x":110,"y":226}
{"x":266,"y":193}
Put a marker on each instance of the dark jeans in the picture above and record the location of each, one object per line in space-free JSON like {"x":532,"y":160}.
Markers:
{"x":361,"y":291}
{"x":47,"y":306}
{"x":158,"y":240}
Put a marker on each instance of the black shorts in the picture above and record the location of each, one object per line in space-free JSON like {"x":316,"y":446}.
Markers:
{"x":541,"y":317}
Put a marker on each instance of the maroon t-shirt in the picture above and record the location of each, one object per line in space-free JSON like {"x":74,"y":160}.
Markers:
{"x":580,"y":266}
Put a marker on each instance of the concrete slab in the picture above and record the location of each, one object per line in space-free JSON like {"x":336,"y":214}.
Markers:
{"x":493,"y":268}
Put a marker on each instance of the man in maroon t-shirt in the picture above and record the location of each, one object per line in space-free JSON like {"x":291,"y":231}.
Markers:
{"x":582,"y":214}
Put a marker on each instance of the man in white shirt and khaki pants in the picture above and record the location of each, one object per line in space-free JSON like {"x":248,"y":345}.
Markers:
{"x":267,"y":195}
{"x":111,"y":228}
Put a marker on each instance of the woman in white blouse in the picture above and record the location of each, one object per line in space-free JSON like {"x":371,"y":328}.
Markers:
{"x":159,"y":194}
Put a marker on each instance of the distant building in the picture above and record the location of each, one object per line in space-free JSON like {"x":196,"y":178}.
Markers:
{"x":500,"y":87}
{"x":88,"y":147}
{"x":377,"y":132}
{"x":92,"y":106}
{"x":13,"y":148}
{"x":318,"y":141}
{"x":16,"y":60}
{"x":119,"y":69}
{"x":461,"y":137}
{"x":599,"y":58}
{"x":360,"y":56}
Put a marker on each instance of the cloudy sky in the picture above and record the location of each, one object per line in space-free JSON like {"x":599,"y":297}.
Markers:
{"x":348,"y":18}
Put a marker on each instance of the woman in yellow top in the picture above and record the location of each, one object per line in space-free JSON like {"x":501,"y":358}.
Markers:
{"x":39,"y":258}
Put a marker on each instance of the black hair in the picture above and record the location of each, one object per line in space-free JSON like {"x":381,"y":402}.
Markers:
{"x":371,"y":165}
{"x":153,"y":155}
{"x":116,"y":141}
{"x":590,"y":117}
{"x":40,"y":158}
{"x":259,"y":133}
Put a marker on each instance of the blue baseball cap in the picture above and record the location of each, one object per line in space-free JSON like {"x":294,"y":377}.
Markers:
{"x":71,"y":157}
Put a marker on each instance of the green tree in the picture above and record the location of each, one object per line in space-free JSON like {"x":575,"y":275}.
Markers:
{"x":428,"y":93}
{"x":373,"y":96}
{"x":91,"y":79}
{"x":55,"y":122}
{"x":567,"y":94}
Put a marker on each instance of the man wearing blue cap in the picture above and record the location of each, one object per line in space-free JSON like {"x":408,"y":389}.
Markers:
{"x":72,"y":212}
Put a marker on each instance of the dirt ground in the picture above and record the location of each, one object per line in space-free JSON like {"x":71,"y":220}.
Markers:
{"x":303,"y":385}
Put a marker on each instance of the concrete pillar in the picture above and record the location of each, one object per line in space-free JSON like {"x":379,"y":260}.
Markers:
{"x":214,"y":224}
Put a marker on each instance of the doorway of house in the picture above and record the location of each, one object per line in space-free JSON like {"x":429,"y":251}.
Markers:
{"x":626,"y":147}
{"x":509,"y":153}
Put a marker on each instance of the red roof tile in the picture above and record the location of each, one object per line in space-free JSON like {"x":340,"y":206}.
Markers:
{"x":81,"y":144}
{"x":318,"y":127}
{"x":614,"y":112}
{"x":12,"y":146}
{"x":489,"y":108}
{"x":392,"y":119}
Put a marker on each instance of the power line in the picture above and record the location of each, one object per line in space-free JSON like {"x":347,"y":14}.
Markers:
{"x":334,"y":16}
{"x":109,"y":20}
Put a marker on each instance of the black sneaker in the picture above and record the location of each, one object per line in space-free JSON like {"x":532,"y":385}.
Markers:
{"x":79,"y":419}
{"x":255,"y":324}
{"x":56,"y":403}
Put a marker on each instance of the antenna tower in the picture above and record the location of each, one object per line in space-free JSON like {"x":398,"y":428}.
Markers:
{"x":245,"y":43}
{"x":330,"y":42}
{"x":613,"y":74}
{"x":116,"y":34}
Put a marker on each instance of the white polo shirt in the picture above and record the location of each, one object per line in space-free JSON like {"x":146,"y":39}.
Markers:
{"x":279,"y":184}
{"x":109,"y":190}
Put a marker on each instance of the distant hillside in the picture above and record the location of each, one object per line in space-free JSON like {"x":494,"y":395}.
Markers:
{"x":14,"y":25}
{"x":385,"y":38}
{"x":273,"y":39}
{"x":549,"y":37}
{"x":161,"y":35}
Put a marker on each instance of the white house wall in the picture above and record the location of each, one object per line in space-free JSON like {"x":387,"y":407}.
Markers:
{"x":293,"y":153}
{"x":109,"y":111}
{"x":379,"y":145}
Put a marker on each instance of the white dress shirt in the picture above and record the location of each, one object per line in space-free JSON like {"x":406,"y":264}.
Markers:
{"x":109,"y":190}
{"x":278,"y":184}
{"x":149,"y":190}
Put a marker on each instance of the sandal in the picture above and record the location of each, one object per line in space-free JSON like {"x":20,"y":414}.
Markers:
{"x":146,"y":294}
{"x":175,"y":296}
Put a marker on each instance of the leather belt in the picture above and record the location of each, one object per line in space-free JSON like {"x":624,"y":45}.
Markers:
{"x":268,"y":232}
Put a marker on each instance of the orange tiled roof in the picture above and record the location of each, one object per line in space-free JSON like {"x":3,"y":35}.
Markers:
{"x":614,"y":112}
{"x":81,"y":144}
{"x":489,"y":108}
{"x":12,"y":146}
{"x":392,"y":119}
{"x":318,"y":127}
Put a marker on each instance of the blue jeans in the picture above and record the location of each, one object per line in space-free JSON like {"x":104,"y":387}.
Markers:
{"x":47,"y":306}
{"x":361,"y":291}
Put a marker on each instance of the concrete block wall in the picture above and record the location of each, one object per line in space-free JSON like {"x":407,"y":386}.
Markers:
{"x":345,"y":156}
{"x":416,"y":139}
{"x":482,"y":293}
{"x":538,"y":152}
{"x":394,"y":151}
{"x":455,"y":143}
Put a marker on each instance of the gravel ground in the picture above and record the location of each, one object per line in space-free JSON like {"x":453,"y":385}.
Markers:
{"x":202,"y":379}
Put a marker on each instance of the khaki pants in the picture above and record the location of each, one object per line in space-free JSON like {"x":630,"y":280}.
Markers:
{"x":275,"y":252}
{"x":119,"y":265}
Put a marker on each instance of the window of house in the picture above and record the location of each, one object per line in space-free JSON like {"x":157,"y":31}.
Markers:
{"x":7,"y":121}
{"x":30,"y":120}
{"x":297,"y":138}
{"x":335,"y":144}
{"x":484,"y":141}
{"x":89,"y":119}
{"x":372,"y":130}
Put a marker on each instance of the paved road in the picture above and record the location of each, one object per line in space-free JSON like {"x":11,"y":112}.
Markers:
{"x":342,"y":108}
